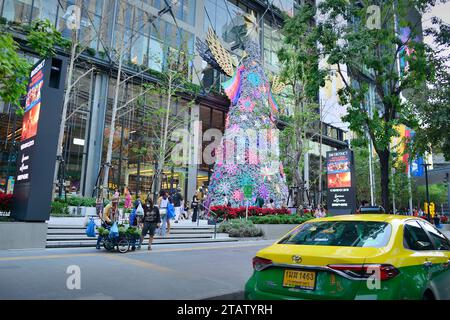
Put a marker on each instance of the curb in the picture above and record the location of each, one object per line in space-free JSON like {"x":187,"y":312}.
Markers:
{"x":238,"y":295}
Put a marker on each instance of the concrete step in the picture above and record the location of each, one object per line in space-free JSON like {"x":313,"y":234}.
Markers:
{"x":156,"y":241}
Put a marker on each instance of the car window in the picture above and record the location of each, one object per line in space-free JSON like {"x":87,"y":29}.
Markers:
{"x":341,"y":233}
{"x":415,"y":238}
{"x":440,"y":241}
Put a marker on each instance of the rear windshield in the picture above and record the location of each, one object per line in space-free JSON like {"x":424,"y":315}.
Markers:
{"x":341,"y":233}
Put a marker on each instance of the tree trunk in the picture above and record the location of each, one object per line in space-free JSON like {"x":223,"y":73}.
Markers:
{"x":62,"y":125}
{"x":112,"y":129}
{"x":384,"y":156}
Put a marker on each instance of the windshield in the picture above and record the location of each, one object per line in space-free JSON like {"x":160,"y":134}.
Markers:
{"x":341,"y":233}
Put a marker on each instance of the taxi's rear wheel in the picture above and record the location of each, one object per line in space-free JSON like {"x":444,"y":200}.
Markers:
{"x":428,"y":295}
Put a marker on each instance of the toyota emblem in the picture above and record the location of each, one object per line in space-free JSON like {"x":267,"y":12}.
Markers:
{"x":296,"y":259}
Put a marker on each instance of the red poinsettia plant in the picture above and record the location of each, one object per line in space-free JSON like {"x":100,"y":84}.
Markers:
{"x":225,"y":212}
{"x":5,"y":202}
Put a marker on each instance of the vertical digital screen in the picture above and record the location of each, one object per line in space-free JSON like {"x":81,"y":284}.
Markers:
{"x":33,"y":103}
{"x":341,"y":198}
{"x":338,"y":172}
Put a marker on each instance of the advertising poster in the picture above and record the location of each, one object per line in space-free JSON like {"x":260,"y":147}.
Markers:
{"x":33,"y":103}
{"x":340,"y":181}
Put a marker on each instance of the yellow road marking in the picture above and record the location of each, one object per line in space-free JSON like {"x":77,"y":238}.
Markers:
{"x":139,"y":263}
{"x":72,"y":255}
{"x":51,"y":256}
{"x":201,"y":248}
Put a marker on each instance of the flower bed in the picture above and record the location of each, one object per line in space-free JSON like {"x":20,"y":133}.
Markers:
{"x":5,"y":202}
{"x":225,"y":212}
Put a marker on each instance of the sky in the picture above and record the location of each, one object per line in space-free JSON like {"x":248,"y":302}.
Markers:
{"x":442,"y":11}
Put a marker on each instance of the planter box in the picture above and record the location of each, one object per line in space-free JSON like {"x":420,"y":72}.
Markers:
{"x":91,"y":211}
{"x":23,"y":235}
{"x":275,"y":231}
{"x":77,"y":211}
{"x":82,"y":211}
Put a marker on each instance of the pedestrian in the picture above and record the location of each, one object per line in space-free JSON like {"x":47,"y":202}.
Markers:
{"x":271,"y":204}
{"x":138,"y":200}
{"x":177,"y":198}
{"x":259,"y":201}
{"x":226,"y":202}
{"x":110,"y":214}
{"x":152,"y":221}
{"x":194,"y":206}
{"x":319,"y":212}
{"x":170,"y":214}
{"x":99,"y":205}
{"x":128,"y":204}
{"x":163,"y":201}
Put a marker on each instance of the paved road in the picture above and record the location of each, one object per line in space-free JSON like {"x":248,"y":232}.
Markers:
{"x":170,"y":272}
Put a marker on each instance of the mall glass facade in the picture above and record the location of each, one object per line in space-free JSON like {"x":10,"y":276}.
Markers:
{"x":108,"y":25}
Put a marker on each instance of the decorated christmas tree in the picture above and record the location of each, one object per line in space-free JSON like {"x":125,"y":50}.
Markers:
{"x":248,"y":154}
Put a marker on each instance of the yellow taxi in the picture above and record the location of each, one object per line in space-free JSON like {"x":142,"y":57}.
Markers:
{"x":370,"y":256}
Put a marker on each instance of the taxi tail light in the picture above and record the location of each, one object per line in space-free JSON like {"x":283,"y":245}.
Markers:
{"x":364,"y":271}
{"x":260,"y":263}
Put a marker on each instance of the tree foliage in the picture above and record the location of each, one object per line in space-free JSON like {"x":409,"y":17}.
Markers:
{"x":370,"y":56}
{"x":300,"y":71}
{"x":42,"y":37}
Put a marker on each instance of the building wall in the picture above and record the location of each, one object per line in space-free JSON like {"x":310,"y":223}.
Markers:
{"x":117,"y":24}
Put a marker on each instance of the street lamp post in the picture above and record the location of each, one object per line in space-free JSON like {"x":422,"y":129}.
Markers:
{"x":426,"y":188}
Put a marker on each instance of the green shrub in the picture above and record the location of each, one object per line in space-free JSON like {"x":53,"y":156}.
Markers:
{"x":59,"y":208}
{"x":81,"y":201}
{"x":280,"y":219}
{"x":240,"y":228}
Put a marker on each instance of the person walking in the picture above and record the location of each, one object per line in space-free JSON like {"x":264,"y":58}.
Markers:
{"x":271,"y":204}
{"x":194,"y":206}
{"x":177,"y":198}
{"x":152,"y":221}
{"x":170,"y":214}
{"x":128,"y":203}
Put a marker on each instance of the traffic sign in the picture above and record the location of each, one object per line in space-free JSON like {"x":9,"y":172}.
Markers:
{"x":248,"y":190}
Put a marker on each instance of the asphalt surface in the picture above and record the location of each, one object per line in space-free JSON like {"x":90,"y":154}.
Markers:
{"x":196,"y":271}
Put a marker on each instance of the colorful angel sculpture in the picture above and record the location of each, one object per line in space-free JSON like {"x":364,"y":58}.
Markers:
{"x":248,"y":153}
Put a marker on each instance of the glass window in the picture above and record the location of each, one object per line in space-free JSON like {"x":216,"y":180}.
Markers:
{"x":341,"y":233}
{"x":156,"y":54}
{"x":440,"y":241}
{"x":45,"y":9}
{"x":17,"y":10}
{"x":415,"y":238}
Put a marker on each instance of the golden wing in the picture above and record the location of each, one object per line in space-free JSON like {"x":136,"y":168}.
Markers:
{"x":221,"y":55}
{"x":277,"y":85}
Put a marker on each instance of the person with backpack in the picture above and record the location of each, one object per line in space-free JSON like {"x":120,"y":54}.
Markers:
{"x":152,"y":221}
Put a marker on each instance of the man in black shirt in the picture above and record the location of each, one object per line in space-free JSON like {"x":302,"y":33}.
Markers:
{"x":152,"y":221}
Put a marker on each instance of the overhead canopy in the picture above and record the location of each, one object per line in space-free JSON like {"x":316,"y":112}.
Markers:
{"x":435,"y":176}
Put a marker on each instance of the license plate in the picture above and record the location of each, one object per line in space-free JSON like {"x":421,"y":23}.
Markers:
{"x":299,"y":279}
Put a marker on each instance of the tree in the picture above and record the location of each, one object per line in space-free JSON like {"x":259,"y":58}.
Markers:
{"x":347,"y":37}
{"x":300,"y":71}
{"x":42,"y":37}
{"x":166,"y":108}
{"x":78,"y":46}
{"x":432,"y":105}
